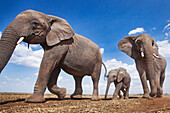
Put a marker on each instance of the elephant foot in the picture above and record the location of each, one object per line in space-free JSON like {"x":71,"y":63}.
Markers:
{"x":114,"y":98}
{"x":95,"y":98}
{"x":159,"y":96}
{"x":76,"y":96}
{"x":34,"y":98}
{"x":159,"y":93}
{"x":152,"y":95}
{"x":62,"y":93}
{"x":145,"y":96}
{"x":126,"y":98}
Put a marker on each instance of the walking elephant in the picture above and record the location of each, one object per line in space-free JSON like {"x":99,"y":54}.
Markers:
{"x":149,"y":63}
{"x":121,"y":79}
{"x":63,"y":49}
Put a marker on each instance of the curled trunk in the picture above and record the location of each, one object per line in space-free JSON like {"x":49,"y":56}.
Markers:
{"x":7,"y":45}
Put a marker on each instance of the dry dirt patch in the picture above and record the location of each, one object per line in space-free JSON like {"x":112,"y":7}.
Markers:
{"x":12,"y":102}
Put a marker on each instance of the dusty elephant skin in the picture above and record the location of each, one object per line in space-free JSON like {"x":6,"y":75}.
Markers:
{"x":121,"y":79}
{"x":149,"y":63}
{"x":63,"y":49}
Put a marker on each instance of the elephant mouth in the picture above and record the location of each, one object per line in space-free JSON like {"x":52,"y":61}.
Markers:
{"x":154,"y":55}
{"x":32,"y":39}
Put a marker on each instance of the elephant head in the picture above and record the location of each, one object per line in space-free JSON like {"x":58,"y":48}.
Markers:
{"x":142,"y":47}
{"x":116,"y":76}
{"x":34,"y":28}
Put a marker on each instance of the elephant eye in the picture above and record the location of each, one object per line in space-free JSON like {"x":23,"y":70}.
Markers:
{"x":138,"y":42}
{"x":35,"y":23}
{"x":152,"y":43}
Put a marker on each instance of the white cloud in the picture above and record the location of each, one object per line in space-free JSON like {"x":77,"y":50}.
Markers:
{"x":168,"y":20}
{"x":36,"y":74}
{"x":154,"y":28}
{"x":34,"y":46}
{"x":164,"y":48}
{"x":167,"y":30}
{"x":60,"y":78}
{"x":137,"y":30}
{"x":166,"y":34}
{"x":27,"y":57}
{"x":7,"y":78}
{"x":166,"y":27}
{"x":101,"y":50}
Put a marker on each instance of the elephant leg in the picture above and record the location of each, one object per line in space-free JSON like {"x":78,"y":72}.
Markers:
{"x":162,"y":78}
{"x":126,"y":95}
{"x":95,"y":78}
{"x":124,"y":92}
{"x":78,"y":87}
{"x":52,"y":86}
{"x":160,"y":85}
{"x":120,"y":95}
{"x":117,"y":90}
{"x":142,"y":74}
{"x":145,"y":86}
{"x":50,"y":60}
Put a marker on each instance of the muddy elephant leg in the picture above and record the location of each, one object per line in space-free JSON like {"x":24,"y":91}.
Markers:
{"x":117,"y":89}
{"x":95,"y":78}
{"x":52,"y":86}
{"x":78,"y":87}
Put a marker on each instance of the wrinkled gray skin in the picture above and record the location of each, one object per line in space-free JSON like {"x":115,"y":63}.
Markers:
{"x":121,"y":79}
{"x":149,"y":63}
{"x":63,"y":49}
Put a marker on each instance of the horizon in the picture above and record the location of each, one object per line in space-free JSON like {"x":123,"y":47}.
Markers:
{"x":103,"y":22}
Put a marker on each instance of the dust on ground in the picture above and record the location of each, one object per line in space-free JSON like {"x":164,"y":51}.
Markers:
{"x":14,"y":102}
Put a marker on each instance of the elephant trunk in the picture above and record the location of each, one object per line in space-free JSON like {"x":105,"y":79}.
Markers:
{"x":8,"y":43}
{"x":107,"y":89}
{"x":150,"y":70}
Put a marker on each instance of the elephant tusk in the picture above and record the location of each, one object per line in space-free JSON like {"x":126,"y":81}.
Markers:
{"x":20,"y":40}
{"x":142,"y":54}
{"x":156,"y":56}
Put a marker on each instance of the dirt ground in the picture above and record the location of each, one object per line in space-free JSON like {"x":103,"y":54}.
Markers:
{"x":14,"y":102}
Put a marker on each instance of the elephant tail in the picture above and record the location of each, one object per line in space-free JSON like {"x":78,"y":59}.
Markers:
{"x":105,"y":75}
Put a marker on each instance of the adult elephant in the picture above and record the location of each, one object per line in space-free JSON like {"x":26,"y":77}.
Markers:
{"x":63,"y":49}
{"x":149,"y":63}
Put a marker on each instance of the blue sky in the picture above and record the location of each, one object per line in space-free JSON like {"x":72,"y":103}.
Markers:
{"x":105,"y":22}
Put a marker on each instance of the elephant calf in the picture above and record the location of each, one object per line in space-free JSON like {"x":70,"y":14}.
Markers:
{"x":121,"y":79}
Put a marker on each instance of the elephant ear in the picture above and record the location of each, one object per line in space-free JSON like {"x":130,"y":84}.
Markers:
{"x":60,"y":30}
{"x":155,"y":47}
{"x":126,"y":45}
{"x":120,"y":76}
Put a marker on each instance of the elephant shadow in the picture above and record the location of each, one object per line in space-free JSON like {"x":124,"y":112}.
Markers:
{"x":131,"y":97}
{"x":57,"y":99}
{"x":46,"y":100}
